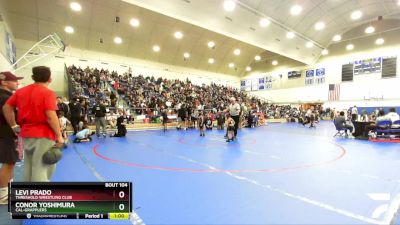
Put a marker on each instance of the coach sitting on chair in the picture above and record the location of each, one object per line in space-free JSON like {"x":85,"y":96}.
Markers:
{"x":340,"y":123}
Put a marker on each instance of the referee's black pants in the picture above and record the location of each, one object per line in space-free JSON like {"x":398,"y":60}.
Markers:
{"x":236,"y":119}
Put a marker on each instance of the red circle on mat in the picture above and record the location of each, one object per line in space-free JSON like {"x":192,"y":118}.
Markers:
{"x":270,"y":170}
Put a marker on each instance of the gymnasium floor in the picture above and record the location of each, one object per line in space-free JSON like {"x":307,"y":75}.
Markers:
{"x":276,"y":174}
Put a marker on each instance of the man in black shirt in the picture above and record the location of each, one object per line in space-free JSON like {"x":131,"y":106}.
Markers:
{"x":8,"y":138}
{"x":99,"y":111}
{"x":189,"y":115}
{"x":75,"y":110}
{"x":182,"y":114}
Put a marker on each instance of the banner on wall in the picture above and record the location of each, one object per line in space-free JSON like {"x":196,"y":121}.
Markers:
{"x":248,"y":85}
{"x":320,"y":75}
{"x":254,"y":84}
{"x":309,"y":77}
{"x":268,"y":82}
{"x":11,"y":51}
{"x":243,"y":85}
{"x":294,"y":74}
{"x":261,"y":83}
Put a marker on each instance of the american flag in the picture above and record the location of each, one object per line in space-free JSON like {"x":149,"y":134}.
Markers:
{"x":334,"y":92}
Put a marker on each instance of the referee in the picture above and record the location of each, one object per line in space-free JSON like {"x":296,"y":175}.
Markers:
{"x":234,"y":111}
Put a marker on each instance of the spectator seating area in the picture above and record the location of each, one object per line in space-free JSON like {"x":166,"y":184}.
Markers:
{"x":145,"y":97}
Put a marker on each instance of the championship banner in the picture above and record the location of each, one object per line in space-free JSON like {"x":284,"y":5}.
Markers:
{"x":254,"y":84}
{"x":320,"y":75}
{"x":248,"y":85}
{"x":261,"y":83}
{"x":309,"y":77}
{"x":243,"y":85}
{"x":268,"y":82}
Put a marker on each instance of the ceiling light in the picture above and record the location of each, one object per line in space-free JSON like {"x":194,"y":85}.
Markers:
{"x":211,"y":60}
{"x":248,"y":69}
{"x":349,"y":47}
{"x":236,"y":52}
{"x":324,"y":52}
{"x":370,"y":30}
{"x":296,"y":10}
{"x":274,"y":62}
{"x":69,"y":29}
{"x":211,"y":44}
{"x":134,"y":22}
{"x":117,"y":40}
{"x":229,"y":5}
{"x":264,"y":22}
{"x":398,"y":2}
{"x":178,"y":35}
{"x":356,"y":15}
{"x":337,"y":37}
{"x":319,"y":26}
{"x":231,"y":65}
{"x":156,"y":48}
{"x":290,"y":35}
{"x":309,"y":44}
{"x":186,"y":55}
{"x":380,"y":41}
{"x":257,"y":58}
{"x":75,"y":6}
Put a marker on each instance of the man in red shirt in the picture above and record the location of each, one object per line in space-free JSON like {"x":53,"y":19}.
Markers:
{"x":40,"y":127}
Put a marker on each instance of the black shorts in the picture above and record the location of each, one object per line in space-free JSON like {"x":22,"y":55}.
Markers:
{"x":8,"y":150}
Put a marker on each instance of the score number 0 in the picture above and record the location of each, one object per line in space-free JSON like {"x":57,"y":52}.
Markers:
{"x":121,"y":206}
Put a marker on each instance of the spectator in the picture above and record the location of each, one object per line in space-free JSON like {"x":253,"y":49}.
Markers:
{"x":8,"y":138}
{"x":392,"y":115}
{"x":371,"y":127}
{"x":112,"y":119}
{"x":62,"y":107}
{"x":364,"y":116}
{"x":354,"y":114}
{"x":40,"y":128}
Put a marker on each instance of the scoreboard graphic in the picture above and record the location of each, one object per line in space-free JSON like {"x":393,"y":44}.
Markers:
{"x":66,"y":200}
{"x":366,"y":66}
